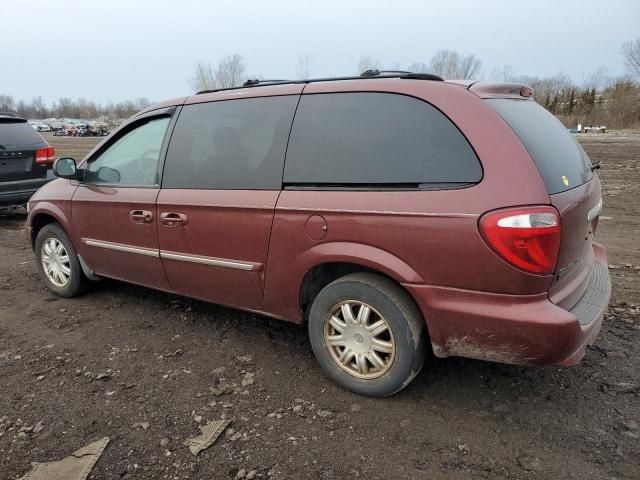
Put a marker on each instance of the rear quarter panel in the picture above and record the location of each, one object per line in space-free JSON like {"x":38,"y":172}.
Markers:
{"x":419,"y":237}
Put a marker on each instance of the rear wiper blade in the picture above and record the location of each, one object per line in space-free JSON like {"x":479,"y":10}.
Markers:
{"x":595,"y":166}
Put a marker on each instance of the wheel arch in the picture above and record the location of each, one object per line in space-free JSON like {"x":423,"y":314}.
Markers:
{"x":335,"y":260}
{"x":45,"y":215}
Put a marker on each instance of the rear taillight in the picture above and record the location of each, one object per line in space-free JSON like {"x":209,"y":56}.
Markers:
{"x":45,"y":155}
{"x":528,"y":238}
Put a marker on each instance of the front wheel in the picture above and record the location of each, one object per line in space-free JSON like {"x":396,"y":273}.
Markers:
{"x":367,"y":334}
{"x":58,"y":263}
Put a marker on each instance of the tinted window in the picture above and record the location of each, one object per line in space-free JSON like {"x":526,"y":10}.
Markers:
{"x":132,"y":159}
{"x":376,"y":138}
{"x":18,"y":134}
{"x":232,"y":144}
{"x":561,"y":161}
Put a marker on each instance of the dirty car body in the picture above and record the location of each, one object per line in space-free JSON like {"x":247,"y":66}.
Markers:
{"x":488,"y":235}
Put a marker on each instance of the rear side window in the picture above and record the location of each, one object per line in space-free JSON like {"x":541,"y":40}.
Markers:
{"x":351,"y":139}
{"x":561,"y":161}
{"x":18,"y":134}
{"x":230,"y":145}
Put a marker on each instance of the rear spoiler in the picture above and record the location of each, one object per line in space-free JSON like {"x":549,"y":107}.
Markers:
{"x":501,"y":90}
{"x":11,"y":119}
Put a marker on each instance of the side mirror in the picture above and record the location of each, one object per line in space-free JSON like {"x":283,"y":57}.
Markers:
{"x":107,"y":175}
{"x":65,"y":168}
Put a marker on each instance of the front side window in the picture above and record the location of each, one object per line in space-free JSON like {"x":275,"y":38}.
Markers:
{"x":230,"y":144}
{"x":376,"y":139}
{"x":132,"y":159}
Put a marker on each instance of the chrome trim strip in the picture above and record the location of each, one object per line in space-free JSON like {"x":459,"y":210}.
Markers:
{"x":119,"y":247}
{"x":216,"y":262}
{"x":381,"y":212}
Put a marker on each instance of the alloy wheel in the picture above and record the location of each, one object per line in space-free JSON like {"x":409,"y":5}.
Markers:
{"x":55,"y":262}
{"x":359,"y":339}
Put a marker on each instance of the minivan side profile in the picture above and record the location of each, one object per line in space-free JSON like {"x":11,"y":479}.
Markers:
{"x":390,"y":213}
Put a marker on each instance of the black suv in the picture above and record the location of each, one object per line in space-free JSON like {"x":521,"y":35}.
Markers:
{"x":25,"y":160}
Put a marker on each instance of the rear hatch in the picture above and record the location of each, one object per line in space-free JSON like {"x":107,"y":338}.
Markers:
{"x":573,"y":190}
{"x":18,"y":145}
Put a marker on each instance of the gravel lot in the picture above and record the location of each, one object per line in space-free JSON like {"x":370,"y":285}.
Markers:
{"x":147,"y":369}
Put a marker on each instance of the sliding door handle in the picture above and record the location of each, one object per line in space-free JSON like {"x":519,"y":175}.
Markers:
{"x":172,"y":219}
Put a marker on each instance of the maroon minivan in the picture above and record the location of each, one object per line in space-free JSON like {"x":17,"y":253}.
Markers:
{"x":387,"y":212}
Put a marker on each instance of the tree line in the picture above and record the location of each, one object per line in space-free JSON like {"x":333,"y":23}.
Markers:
{"x":71,"y":108}
{"x":597,"y":99}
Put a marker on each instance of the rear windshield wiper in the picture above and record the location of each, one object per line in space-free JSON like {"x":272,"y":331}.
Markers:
{"x":595,"y":166}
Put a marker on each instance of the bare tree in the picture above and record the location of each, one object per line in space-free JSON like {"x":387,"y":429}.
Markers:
{"x":550,"y":91}
{"x":65,"y":107}
{"x":304,"y":67}
{"x":469,"y":67}
{"x":203,"y":78}
{"x":141,"y":103}
{"x":419,"y":67}
{"x":38,"y":107}
{"x":503,"y":73}
{"x":6,"y":103}
{"x":595,"y":80}
{"x":368,"y":63}
{"x":631,"y":53}
{"x":230,"y":71}
{"x":450,"y":64}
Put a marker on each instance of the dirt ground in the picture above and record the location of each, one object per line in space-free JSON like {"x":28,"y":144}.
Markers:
{"x":147,"y":369}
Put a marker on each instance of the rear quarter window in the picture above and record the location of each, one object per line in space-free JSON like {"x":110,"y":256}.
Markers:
{"x":367,"y":138}
{"x":18,"y":134}
{"x":561,"y":161}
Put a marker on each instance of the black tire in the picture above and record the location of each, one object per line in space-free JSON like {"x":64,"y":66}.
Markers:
{"x":402,"y":316}
{"x":77,"y":282}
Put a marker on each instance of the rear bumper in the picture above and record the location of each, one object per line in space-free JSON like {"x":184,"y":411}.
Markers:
{"x":20,"y":191}
{"x":525,"y":330}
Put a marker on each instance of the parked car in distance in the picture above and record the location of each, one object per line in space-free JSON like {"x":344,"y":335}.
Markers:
{"x":392,"y":214}
{"x":40,"y":126}
{"x":25,"y":161}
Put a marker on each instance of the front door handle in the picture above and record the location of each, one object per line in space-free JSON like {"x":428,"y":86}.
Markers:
{"x":172,"y":219}
{"x":141,"y":216}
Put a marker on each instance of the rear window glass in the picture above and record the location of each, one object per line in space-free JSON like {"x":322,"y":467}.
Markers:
{"x":18,"y":134}
{"x":561,"y":161}
{"x":369,"y":138}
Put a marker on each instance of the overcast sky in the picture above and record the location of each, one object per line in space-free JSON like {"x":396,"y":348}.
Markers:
{"x":123,"y":49}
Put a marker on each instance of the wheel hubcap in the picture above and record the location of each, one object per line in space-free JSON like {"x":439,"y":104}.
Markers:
{"x":55,"y":262}
{"x":359,"y":339}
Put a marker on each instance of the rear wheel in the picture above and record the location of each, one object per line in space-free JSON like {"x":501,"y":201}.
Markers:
{"x":58,"y":263}
{"x":367,"y":334}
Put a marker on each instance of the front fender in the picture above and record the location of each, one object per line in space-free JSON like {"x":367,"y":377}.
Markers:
{"x":49,"y":209}
{"x":53,"y":200}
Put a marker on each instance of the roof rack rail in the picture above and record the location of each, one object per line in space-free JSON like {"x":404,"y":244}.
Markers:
{"x":402,"y":74}
{"x":256,"y":81}
{"x":369,"y":74}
